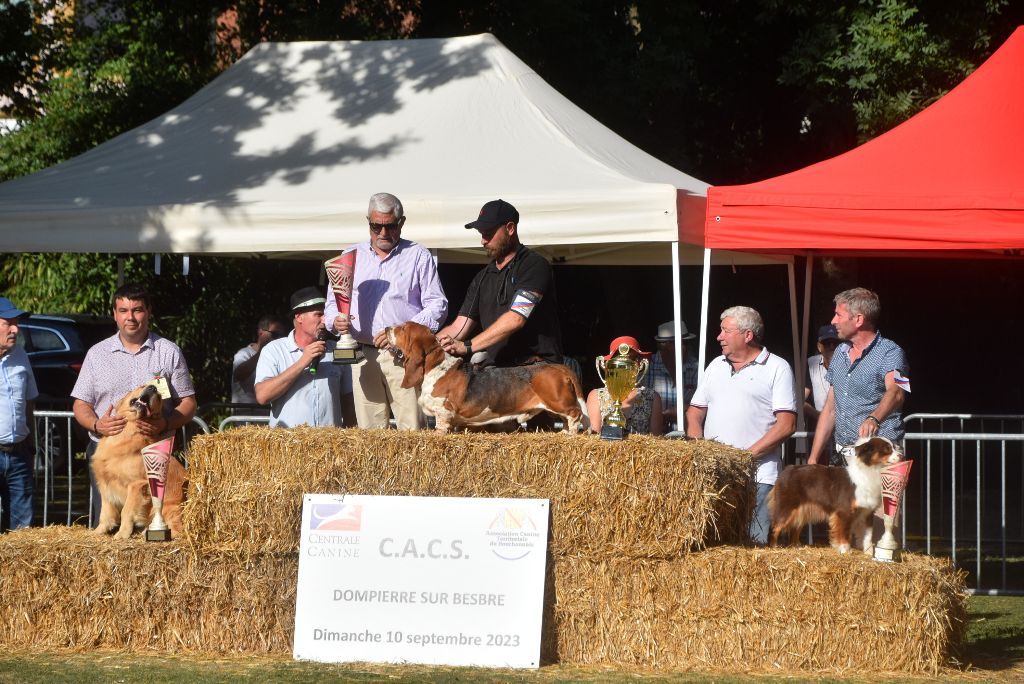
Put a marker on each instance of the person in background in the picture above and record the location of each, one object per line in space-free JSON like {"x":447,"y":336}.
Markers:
{"x":662,"y":376}
{"x":817,"y":365}
{"x":747,"y":400}
{"x":869,"y":378}
{"x":395,"y":281}
{"x":115,"y":366}
{"x":243,"y":367}
{"x":641,"y":408}
{"x":17,"y":397}
{"x":293,"y":377}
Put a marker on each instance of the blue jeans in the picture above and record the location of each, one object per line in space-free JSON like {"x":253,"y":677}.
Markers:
{"x":760,"y":523}
{"x":17,"y":483}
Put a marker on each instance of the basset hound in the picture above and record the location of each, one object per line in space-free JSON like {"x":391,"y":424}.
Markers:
{"x":457,"y":394}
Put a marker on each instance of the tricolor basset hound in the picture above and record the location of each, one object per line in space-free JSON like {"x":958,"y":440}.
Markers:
{"x":457,"y":394}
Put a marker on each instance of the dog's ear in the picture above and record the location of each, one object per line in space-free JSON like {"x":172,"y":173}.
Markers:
{"x":413,"y":369}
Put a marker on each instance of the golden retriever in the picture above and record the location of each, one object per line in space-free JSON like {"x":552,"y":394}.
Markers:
{"x":121,"y":475}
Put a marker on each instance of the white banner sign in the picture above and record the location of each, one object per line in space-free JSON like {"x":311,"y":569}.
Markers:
{"x":445,"y":581}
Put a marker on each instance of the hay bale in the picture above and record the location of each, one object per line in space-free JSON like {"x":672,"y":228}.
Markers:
{"x":724,"y":609}
{"x":801,"y":610}
{"x":66,"y":588}
{"x":641,"y":498}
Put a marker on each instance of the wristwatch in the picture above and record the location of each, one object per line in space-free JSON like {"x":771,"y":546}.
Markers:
{"x":469,"y":348}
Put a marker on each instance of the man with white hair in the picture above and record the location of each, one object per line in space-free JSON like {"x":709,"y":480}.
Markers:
{"x":395,"y":281}
{"x":747,"y":400}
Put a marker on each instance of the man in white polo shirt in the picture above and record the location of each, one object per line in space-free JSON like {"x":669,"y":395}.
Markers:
{"x":747,"y":400}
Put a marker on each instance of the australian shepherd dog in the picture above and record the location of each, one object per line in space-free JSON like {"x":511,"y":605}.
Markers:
{"x":845,"y":497}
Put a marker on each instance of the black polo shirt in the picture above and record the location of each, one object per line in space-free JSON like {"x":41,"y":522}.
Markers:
{"x":525,"y":285}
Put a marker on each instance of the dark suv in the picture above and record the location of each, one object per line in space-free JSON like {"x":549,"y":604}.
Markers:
{"x":56,"y":346}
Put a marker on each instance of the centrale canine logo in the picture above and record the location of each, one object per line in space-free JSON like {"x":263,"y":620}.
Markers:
{"x":344,"y":517}
{"x":513,"y":534}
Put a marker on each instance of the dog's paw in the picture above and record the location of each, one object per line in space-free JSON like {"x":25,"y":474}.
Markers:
{"x":843,"y":548}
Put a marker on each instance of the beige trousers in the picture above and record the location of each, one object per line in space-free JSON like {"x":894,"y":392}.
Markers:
{"x":378,"y":392}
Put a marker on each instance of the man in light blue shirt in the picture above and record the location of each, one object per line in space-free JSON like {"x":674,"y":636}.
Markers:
{"x":291,"y":375}
{"x":17,"y":396}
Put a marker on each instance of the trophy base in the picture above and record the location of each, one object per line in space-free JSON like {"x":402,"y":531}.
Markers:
{"x":613,"y":433}
{"x":886,"y":554}
{"x":158,"y":535}
{"x":347,"y":356}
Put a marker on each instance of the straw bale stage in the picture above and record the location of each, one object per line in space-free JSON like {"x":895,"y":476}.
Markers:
{"x":638,"y":573}
{"x":642,"y":498}
{"x":728,"y":608}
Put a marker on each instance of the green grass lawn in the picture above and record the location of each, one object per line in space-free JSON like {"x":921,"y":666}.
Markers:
{"x":994,"y":651}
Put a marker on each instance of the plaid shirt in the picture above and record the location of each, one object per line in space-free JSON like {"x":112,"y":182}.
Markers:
{"x":857,"y":388}
{"x":661,"y":381}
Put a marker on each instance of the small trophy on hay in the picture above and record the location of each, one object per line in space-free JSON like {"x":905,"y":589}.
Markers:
{"x":894,"y":481}
{"x":156,"y":457}
{"x":340,"y":271}
{"x":620,"y":373}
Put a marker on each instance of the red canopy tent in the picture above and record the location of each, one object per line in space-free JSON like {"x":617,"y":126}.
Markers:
{"x":950,"y":178}
{"x":947,"y":182}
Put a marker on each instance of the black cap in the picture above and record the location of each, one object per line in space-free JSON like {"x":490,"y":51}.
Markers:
{"x":493,"y":214}
{"x":827,"y":332}
{"x":308,"y":299}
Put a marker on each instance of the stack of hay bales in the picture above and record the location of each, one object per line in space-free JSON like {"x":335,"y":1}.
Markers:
{"x":646,"y":567}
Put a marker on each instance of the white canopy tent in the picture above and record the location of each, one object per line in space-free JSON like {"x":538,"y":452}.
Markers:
{"x":279,"y":154}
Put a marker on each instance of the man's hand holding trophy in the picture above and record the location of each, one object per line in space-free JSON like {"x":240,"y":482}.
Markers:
{"x":620,"y":371}
{"x":340,"y":272}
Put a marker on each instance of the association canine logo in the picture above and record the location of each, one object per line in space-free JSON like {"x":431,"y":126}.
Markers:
{"x":333,"y":516}
{"x":513,"y":534}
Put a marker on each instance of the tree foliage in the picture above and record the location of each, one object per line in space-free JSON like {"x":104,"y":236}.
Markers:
{"x":727,"y":90}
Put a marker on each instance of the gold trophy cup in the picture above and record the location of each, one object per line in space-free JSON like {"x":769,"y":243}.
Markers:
{"x":156,"y":457}
{"x":620,"y":374}
{"x":340,"y":272}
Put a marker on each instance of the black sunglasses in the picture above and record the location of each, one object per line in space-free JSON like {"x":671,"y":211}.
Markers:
{"x":275,"y":334}
{"x":378,"y":227}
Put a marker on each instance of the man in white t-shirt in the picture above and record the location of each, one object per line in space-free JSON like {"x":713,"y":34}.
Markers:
{"x":747,"y":400}
{"x":243,"y":367}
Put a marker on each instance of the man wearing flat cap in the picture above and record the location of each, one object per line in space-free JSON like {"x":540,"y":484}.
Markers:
{"x":662,"y":376}
{"x":509,"y":316}
{"x":292,"y":377}
{"x":17,"y":396}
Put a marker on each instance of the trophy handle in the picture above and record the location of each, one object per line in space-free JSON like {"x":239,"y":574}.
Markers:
{"x":641,"y":371}
{"x":599,"y":364}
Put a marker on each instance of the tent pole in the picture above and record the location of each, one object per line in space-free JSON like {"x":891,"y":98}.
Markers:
{"x":705,"y":287}
{"x":808,"y":275}
{"x":677,"y":309}
{"x":799,"y":361}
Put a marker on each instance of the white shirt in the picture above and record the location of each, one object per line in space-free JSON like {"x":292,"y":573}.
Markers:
{"x":819,"y":385}
{"x":741,"y":406}
{"x":243,"y":392}
{"x":312,"y":399}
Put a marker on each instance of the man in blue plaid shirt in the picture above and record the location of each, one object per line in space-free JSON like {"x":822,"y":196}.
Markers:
{"x":869,"y":379}
{"x":662,"y":376}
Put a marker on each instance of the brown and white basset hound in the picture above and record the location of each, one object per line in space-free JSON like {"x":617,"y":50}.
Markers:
{"x":457,"y":394}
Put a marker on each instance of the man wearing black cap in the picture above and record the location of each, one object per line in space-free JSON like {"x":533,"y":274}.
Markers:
{"x":817,"y":366}
{"x":512,"y":300}
{"x":291,"y":378}
{"x":17,"y":394}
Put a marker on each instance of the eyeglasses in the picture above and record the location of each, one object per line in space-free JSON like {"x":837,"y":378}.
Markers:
{"x":378,"y":227}
{"x":276,"y":334}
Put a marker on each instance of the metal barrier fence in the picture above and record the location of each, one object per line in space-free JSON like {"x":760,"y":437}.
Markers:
{"x":963,"y":500}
